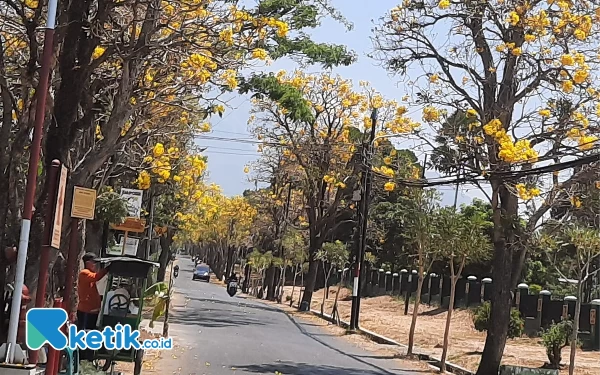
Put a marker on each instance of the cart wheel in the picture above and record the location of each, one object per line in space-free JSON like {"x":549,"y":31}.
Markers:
{"x":139,"y":359}
{"x":106,"y":366}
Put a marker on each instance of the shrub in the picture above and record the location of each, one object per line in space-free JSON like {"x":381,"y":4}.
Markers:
{"x":535,"y":289}
{"x":481,"y":320}
{"x":554,"y":339}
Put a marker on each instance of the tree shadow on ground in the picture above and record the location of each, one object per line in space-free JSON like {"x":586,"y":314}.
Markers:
{"x":213,"y":317}
{"x":434,"y":312}
{"x":235,"y":302}
{"x":291,"y":368}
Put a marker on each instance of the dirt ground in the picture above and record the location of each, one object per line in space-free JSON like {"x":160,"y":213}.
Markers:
{"x":385,"y":315}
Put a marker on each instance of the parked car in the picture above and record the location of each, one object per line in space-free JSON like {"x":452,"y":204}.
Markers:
{"x":202,"y":272}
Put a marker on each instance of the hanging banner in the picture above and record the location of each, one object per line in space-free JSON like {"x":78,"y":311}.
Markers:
{"x":60,"y":206}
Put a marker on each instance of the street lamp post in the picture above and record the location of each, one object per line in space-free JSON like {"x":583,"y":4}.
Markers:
{"x":34,"y":159}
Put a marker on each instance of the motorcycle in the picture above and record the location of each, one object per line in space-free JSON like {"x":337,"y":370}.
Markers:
{"x":232,"y":286}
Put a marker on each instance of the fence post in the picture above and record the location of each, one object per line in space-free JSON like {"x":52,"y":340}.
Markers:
{"x":567,"y":302}
{"x":470,"y":279}
{"x":595,"y":324}
{"x":543,"y":297}
{"x":380,"y":275}
{"x":521,"y":288}
{"x":485,"y":289}
{"x":431,"y":276}
{"x":388,"y":280}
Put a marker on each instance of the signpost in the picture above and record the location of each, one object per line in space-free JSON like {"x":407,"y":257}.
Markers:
{"x":127,"y":244}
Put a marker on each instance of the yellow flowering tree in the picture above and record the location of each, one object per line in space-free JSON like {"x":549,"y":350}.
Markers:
{"x":219,"y":225}
{"x":314,"y":123}
{"x":514,"y":82}
{"x":125,"y":71}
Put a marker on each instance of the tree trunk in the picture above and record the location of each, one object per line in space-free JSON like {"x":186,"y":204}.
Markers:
{"x":165,"y":255}
{"x":575,"y":328}
{"x":309,"y":285}
{"x":270,"y":282}
{"x":281,"y":284}
{"x":502,"y":275}
{"x":415,"y":314}
{"x":294,"y":285}
{"x":453,"y":281}
{"x":229,"y":264}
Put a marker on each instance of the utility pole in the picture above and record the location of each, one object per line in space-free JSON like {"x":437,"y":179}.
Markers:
{"x":34,"y":159}
{"x":362,"y":223}
{"x":150,"y":226}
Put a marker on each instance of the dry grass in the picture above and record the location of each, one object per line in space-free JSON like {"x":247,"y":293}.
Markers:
{"x":385,"y":315}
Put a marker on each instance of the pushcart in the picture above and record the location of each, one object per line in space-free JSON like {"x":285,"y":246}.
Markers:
{"x":123,"y":304}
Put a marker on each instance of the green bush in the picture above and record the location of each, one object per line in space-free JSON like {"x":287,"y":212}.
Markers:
{"x":535,"y":289}
{"x":481,"y":320}
{"x":554,"y":339}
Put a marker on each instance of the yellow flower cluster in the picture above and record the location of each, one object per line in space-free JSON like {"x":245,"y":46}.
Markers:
{"x":584,"y":140}
{"x":431,"y":114}
{"x":576,"y":202}
{"x":198,"y":68}
{"x":509,"y":151}
{"x":527,"y":193}
{"x":389,"y":186}
{"x":143,"y":180}
{"x":384,"y":170}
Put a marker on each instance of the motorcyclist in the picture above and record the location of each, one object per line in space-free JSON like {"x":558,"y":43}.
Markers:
{"x":232,"y":284}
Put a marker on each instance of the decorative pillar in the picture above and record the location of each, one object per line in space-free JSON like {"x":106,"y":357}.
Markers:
{"x":543,"y":298}
{"x":521,"y":289}
{"x":395,"y":282}
{"x":595,"y":324}
{"x":470,"y":280}
{"x":567,"y":303}
{"x":485,"y":289}
{"x":388,"y":281}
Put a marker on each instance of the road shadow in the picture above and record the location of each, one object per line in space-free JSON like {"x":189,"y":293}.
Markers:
{"x":376,"y":369}
{"x":235,"y":302}
{"x":213,"y":317}
{"x":291,"y":368}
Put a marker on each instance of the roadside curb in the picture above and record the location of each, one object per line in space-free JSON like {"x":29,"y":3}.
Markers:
{"x":380,"y":339}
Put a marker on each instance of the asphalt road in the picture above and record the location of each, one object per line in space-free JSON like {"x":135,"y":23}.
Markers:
{"x":216,"y":334}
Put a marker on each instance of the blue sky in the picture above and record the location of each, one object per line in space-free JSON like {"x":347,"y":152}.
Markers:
{"x":228,"y":155}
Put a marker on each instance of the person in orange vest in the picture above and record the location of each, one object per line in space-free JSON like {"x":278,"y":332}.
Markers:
{"x":89,"y":298}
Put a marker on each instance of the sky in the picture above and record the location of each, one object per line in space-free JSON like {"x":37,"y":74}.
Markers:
{"x":228,"y":147}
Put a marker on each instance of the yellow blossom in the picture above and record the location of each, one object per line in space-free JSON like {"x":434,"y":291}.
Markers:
{"x":158,"y":150}
{"x":567,"y":86}
{"x":259,"y":53}
{"x":513,"y":18}
{"x":389,"y":186}
{"x":444,"y":4}
{"x":544,"y":112}
{"x":98,"y":51}
{"x":567,"y":60}
{"x":431,"y":114}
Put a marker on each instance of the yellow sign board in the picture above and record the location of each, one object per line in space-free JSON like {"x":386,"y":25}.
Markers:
{"x":84,"y":203}
{"x":130,"y":224}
